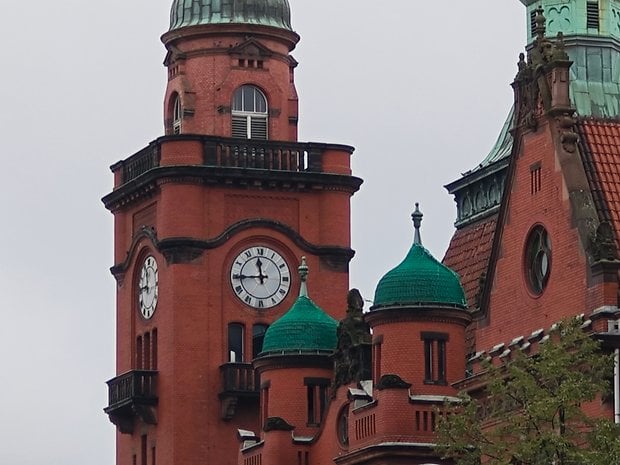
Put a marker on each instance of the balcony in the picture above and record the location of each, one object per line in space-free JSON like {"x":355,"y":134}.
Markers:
{"x":239,"y":381}
{"x":132,"y":395}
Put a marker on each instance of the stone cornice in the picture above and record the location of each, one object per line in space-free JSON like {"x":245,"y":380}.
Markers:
{"x":247,"y":178}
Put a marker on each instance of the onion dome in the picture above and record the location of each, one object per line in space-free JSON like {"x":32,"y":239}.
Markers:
{"x":420,"y":279}
{"x":305,"y":328}
{"x":276,"y":13}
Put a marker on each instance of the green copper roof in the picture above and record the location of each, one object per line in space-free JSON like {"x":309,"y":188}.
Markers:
{"x":276,"y":13}
{"x":420,"y":279}
{"x":304,"y":328}
{"x":587,"y":18}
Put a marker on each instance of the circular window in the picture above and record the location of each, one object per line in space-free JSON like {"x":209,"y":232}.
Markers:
{"x":538,"y":259}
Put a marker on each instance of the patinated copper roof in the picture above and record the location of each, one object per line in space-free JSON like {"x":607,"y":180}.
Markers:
{"x":468,"y":254}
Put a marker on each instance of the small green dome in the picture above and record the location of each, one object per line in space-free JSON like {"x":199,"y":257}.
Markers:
{"x":276,"y":13}
{"x":304,"y":328}
{"x":420,"y":279}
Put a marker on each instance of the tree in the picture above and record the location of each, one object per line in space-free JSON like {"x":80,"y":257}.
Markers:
{"x":529,"y":411}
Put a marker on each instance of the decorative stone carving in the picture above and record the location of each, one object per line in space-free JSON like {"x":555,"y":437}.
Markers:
{"x":392,"y":382}
{"x":602,"y":243}
{"x":533,"y":92}
{"x":352,"y":356}
{"x":277,"y":424}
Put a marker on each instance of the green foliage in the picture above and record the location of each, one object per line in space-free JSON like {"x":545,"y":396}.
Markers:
{"x":529,"y":411}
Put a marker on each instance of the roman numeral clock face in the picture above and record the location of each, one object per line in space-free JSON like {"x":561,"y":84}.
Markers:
{"x":148,"y":287}
{"x":260,"y":277}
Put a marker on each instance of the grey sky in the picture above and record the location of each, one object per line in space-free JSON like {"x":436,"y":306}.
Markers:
{"x":420,"y":88}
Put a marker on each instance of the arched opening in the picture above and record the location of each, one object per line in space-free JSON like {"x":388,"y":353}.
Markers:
{"x":177,"y":114}
{"x":249,"y":113}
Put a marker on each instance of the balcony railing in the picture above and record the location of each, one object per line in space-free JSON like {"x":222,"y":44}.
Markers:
{"x":239,"y":379}
{"x":132,"y":395}
{"x":227,"y":152}
{"x":137,"y":386}
{"x":141,"y":162}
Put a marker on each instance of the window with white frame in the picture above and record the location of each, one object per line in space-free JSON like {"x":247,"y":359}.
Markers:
{"x":177,"y":115}
{"x":249,"y":113}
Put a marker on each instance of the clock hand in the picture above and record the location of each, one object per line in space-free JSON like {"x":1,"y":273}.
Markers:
{"x":261,"y":276}
{"x":242,"y":276}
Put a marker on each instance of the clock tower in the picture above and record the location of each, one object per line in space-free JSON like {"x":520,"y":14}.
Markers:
{"x":210,"y":220}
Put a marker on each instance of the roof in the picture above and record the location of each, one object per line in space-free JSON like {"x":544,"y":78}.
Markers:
{"x":600,"y":146}
{"x":420,"y":279}
{"x":276,"y":13}
{"x":304,"y":328}
{"x":468,"y":255}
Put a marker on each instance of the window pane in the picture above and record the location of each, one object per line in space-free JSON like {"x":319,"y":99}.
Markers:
{"x":441,"y":360}
{"x":238,"y":100}
{"x":261,"y":102}
{"x":248,"y":98}
{"x":428,"y":360}
{"x":258,"y":335}
{"x":235,"y":343}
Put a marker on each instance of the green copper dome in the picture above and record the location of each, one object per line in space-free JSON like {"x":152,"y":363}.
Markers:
{"x":304,"y":328}
{"x":420,"y":279}
{"x":276,"y":13}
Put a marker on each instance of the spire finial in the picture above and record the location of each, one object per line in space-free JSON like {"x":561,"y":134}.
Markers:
{"x":540,"y":22}
{"x":416,"y":216}
{"x":303,"y":276}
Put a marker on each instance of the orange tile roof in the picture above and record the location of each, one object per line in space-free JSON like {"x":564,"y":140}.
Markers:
{"x":469,"y":252}
{"x":600,"y":146}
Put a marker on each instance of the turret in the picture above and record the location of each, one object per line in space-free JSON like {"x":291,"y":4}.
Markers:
{"x":296,"y":365}
{"x":230,"y":72}
{"x":418,"y":321}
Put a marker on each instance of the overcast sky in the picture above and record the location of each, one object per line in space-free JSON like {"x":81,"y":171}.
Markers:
{"x":420,"y":88}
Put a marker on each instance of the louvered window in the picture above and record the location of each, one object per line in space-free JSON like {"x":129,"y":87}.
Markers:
{"x":592,"y":14}
{"x":249,"y":114}
{"x":533,"y":23}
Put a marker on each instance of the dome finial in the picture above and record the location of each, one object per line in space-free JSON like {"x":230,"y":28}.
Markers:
{"x":416,"y":216}
{"x":303,"y":276}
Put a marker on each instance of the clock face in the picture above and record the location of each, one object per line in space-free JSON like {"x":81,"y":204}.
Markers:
{"x":147,"y":287}
{"x":260,"y":277}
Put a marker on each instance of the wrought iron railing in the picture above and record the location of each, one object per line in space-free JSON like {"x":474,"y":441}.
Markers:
{"x":133,"y":386}
{"x":239,"y":378}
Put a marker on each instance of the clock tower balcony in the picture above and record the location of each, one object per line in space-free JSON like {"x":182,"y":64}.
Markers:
{"x":232,"y":162}
{"x":132,"y":395}
{"x":239,"y":382}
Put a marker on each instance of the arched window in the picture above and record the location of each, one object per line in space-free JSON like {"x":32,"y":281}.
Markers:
{"x":177,"y":115}
{"x":249,"y":113}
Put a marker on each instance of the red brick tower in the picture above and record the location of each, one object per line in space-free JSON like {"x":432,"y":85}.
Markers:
{"x":209,"y":220}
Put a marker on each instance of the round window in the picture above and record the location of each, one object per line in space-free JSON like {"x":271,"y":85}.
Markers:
{"x":538,"y":259}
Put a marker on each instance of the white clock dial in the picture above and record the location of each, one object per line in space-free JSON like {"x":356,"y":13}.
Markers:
{"x":260,"y":277}
{"x":147,"y":287}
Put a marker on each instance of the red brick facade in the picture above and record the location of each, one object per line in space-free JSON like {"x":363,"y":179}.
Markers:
{"x":186,"y":392}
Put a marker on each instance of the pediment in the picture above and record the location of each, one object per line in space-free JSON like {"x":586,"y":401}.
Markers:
{"x":251,"y":48}
{"x":173,"y":54}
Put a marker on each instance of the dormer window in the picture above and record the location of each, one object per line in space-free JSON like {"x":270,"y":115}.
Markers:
{"x":177,"y":115}
{"x":249,"y":113}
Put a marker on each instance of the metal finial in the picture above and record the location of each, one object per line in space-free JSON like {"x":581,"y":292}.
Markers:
{"x":416,"y":216}
{"x":303,"y":276}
